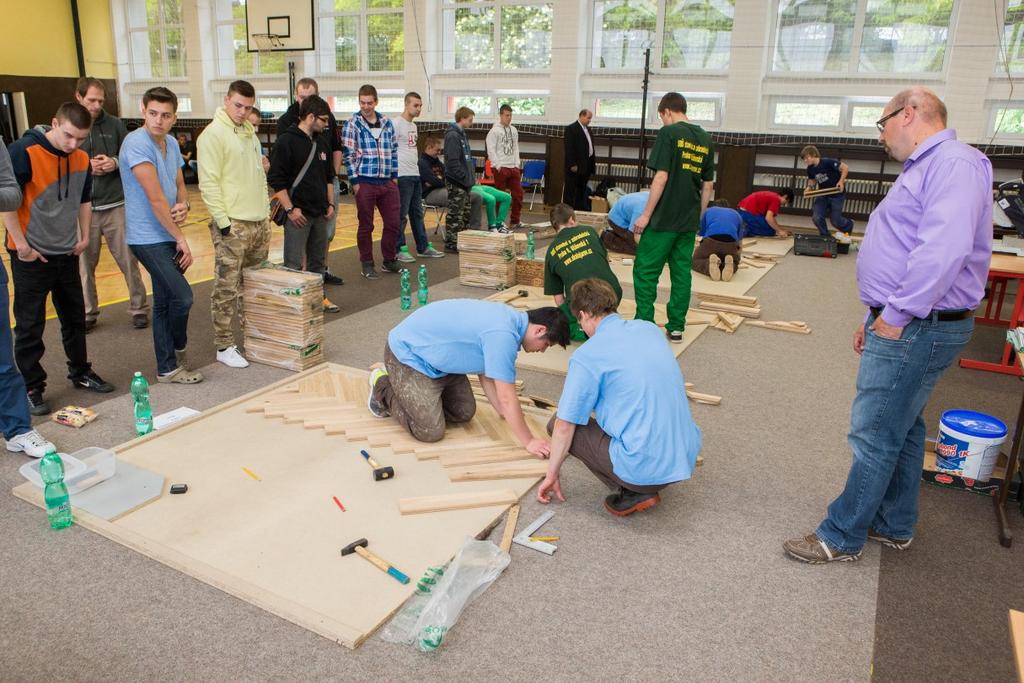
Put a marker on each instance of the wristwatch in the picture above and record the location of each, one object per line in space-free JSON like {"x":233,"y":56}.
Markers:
{"x":289,"y":209}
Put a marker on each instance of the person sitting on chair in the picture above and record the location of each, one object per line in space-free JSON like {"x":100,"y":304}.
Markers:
{"x":432,"y":177}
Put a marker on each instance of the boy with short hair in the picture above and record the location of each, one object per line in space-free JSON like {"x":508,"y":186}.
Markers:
{"x":825,"y":173}
{"x":576,"y":253}
{"x":459,"y":177}
{"x":721,"y":233}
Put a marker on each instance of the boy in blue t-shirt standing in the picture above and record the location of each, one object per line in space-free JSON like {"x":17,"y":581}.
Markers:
{"x":721,"y":233}
{"x":823,"y":174}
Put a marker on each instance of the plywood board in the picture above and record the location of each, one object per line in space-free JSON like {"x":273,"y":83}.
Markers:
{"x":741,"y":282}
{"x":774,"y":246}
{"x":275,"y":542}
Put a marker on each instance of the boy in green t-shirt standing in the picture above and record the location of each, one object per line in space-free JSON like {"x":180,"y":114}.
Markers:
{"x":683,"y":160}
{"x":575,"y":254}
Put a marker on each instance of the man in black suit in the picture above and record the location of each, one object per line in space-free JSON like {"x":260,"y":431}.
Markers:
{"x":579,"y":161}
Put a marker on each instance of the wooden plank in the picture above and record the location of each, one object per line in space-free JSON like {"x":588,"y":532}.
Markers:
{"x":822,"y":192}
{"x":520,"y":469}
{"x":434,"y":451}
{"x":708,"y":399}
{"x":745,"y":311}
{"x":510,"y":528}
{"x":780,"y":325}
{"x":456,"y":501}
{"x":1017,"y":640}
{"x":735,"y":299}
{"x":485,"y":456}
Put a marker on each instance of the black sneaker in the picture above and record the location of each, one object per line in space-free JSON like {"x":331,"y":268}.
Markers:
{"x":37,"y":405}
{"x":89,"y":325}
{"x":626,"y":502}
{"x":140,"y":321}
{"x":332,"y":279}
{"x":675,"y":336}
{"x":449,"y":249}
{"x":90,"y":381}
{"x":369,"y":272}
{"x":391,"y":266}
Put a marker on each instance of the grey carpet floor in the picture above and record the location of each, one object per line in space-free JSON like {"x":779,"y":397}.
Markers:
{"x":696,"y":589}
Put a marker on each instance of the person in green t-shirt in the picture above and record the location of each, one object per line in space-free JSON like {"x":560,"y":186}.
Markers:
{"x":683,"y":161}
{"x":576,"y":253}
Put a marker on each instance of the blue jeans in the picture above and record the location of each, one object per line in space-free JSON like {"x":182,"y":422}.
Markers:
{"x":831,"y":206}
{"x":410,"y":196}
{"x":887,"y":431}
{"x":755,"y":225}
{"x":14,"y":417}
{"x":332,"y":222}
{"x":172,"y":301}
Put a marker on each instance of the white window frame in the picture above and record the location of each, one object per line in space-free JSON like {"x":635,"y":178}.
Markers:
{"x":993,"y":108}
{"x":852,"y":102}
{"x":718,"y":99}
{"x":162,"y":27}
{"x":447,"y":59}
{"x":657,"y":47}
{"x":856,"y":42}
{"x":496,"y":98}
{"x":325,"y":47}
{"x":218,"y":48}
{"x":846,"y":105}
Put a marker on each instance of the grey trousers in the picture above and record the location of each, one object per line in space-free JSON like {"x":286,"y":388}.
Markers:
{"x":422,"y":404}
{"x":590,"y":446}
{"x":308,"y":242}
{"x":109,"y":225}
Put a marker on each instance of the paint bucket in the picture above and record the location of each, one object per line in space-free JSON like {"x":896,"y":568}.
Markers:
{"x":968,"y":444}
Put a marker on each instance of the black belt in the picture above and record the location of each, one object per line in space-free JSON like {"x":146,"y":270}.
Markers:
{"x":940,"y":316}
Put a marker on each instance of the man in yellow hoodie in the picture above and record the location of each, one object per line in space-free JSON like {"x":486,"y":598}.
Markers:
{"x":234,"y":187}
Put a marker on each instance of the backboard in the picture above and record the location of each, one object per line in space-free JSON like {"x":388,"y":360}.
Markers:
{"x":279,"y":25}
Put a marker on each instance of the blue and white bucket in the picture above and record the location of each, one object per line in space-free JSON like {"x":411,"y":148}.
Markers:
{"x":968,"y":444}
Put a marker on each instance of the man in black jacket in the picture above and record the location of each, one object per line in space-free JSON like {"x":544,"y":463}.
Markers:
{"x":108,"y":222}
{"x":579,"y":161}
{"x":311,"y":204}
{"x":459,"y":177}
{"x":307,"y":87}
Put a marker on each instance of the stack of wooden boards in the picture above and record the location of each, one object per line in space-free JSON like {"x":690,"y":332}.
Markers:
{"x":283,"y":317}
{"x":487,"y":259}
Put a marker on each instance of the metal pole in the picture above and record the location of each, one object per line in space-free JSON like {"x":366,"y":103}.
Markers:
{"x":78,"y":37}
{"x":291,"y":83}
{"x":643,"y":123}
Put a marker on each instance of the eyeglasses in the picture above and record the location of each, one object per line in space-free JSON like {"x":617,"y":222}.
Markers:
{"x":880,"y":123}
{"x":327,"y":119}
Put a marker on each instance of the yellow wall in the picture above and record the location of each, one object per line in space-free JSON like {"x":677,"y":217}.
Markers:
{"x":40,"y":39}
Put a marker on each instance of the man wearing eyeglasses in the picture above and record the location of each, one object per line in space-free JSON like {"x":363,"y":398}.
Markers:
{"x":921,"y":272}
{"x":824,"y":174}
{"x":310,"y":205}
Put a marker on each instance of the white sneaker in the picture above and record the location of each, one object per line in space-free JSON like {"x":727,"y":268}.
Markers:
{"x":232,"y":358}
{"x":31,"y":443}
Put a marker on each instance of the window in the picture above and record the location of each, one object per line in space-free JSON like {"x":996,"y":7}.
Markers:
{"x":905,"y":37}
{"x":361,"y":35}
{"x":497,"y":35}
{"x":184,"y":104}
{"x":523,"y":105}
{"x":233,"y":56}
{"x":697,"y":34}
{"x":623,"y":29}
{"x":156,"y":38}
{"x":1013,"y":37}
{"x":895,"y":36}
{"x":1008,"y":120}
{"x":833,"y":114}
{"x":344,"y":107}
{"x":272,"y":103}
{"x":864,"y":115}
{"x":807,"y":114}
{"x":704,"y":109}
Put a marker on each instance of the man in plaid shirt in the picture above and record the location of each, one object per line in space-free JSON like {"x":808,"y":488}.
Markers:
{"x":370,"y":152}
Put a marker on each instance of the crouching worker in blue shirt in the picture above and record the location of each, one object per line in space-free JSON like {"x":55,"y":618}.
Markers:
{"x":423,"y":383}
{"x":643,"y":437}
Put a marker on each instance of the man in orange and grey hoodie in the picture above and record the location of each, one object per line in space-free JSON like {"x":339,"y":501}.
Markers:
{"x":44,"y":239}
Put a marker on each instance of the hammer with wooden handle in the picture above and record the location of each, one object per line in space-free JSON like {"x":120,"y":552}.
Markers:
{"x":360,"y":548}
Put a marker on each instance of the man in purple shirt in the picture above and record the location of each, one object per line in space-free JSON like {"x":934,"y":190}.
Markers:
{"x":921,"y":271}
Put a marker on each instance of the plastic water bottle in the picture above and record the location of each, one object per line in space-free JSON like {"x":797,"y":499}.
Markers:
{"x":531,"y":246}
{"x":143,"y":409}
{"x":55,"y":493}
{"x":422,"y":292}
{"x":406,"y":297}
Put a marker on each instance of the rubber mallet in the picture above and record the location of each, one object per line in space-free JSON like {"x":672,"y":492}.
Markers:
{"x":360,"y":547}
{"x":378,"y":471}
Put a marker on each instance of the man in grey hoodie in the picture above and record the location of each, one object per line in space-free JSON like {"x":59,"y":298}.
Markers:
{"x":103,"y":146}
{"x":459,"y":177}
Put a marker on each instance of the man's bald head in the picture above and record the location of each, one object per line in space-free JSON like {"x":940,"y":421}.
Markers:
{"x":928,"y":105}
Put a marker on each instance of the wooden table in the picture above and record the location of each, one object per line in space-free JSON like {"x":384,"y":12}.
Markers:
{"x":1004,"y":268}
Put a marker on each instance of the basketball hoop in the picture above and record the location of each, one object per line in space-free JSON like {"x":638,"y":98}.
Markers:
{"x":266,"y":42}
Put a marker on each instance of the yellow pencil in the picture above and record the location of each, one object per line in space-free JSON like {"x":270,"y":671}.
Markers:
{"x":251,"y":474}
{"x":544,"y":538}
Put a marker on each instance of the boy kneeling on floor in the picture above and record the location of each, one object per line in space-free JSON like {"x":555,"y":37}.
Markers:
{"x":576,"y":253}
{"x":642,"y":437}
{"x":721,"y":233}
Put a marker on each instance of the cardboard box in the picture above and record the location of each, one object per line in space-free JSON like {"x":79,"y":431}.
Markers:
{"x":598,"y":205}
{"x":990,"y":488}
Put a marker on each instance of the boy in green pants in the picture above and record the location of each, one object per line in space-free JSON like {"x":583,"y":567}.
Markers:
{"x":496,"y":203}
{"x":683,"y":161}
{"x":575,"y":254}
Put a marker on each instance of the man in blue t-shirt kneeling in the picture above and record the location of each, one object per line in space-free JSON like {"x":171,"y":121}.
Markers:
{"x":721,"y":233}
{"x":642,"y":437}
{"x":423,"y":383}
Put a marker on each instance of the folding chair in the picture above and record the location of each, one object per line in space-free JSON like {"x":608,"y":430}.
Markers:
{"x":533,"y":177}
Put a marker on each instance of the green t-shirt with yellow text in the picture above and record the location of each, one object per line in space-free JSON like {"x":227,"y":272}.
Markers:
{"x":686,"y":153}
{"x":576,"y":254}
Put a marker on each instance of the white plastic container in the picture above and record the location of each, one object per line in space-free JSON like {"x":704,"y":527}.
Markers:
{"x":968,"y":444}
{"x":84,"y":468}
